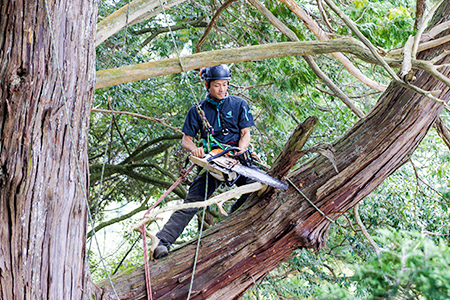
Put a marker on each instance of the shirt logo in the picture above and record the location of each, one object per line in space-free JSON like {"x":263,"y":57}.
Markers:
{"x":229,"y":114}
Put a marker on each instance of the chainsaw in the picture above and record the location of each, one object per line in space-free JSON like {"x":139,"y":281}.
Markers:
{"x":228,"y":167}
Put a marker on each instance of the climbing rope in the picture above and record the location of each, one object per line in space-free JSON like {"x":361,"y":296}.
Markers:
{"x":310,"y":202}
{"x":144,"y":235}
{"x":72,"y":143}
{"x":144,"y":238}
{"x":198,"y":241}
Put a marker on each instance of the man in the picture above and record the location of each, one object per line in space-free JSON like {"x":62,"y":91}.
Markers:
{"x":230,"y":118}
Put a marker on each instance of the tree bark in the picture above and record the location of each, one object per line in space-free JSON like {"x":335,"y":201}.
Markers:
{"x":43,"y":146}
{"x":241,"y":250}
{"x":421,"y":6}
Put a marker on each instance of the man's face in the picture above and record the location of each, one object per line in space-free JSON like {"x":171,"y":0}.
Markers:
{"x":218,"y":88}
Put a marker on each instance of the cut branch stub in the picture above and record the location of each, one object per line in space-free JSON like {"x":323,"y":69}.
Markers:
{"x":292,"y":151}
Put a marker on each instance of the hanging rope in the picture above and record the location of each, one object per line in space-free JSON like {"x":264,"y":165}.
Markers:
{"x":310,"y":202}
{"x":198,"y":241}
{"x":147,"y":269}
{"x":72,"y":143}
{"x":144,"y":231}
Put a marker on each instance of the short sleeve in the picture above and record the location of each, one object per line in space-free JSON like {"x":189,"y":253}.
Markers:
{"x":245,"y":117}
{"x":192,"y":123}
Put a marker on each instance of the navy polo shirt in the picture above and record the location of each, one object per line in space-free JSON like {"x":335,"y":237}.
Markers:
{"x":231,"y":116}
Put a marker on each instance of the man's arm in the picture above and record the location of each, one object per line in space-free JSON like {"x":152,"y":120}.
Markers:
{"x":244,"y":140}
{"x":188,"y":144}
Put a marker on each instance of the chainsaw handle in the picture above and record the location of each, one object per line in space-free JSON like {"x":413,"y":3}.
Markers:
{"x":223,"y":153}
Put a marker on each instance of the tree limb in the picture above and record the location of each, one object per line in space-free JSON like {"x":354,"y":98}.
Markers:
{"x":195,"y":23}
{"x":396,"y":53}
{"x":292,"y":150}
{"x":213,"y":22}
{"x":422,"y":28}
{"x":364,"y":229}
{"x":434,"y":31}
{"x":421,"y":6}
{"x":111,"y":77}
{"x":137,"y":116}
{"x":323,"y":36}
{"x":312,"y":64}
{"x":134,"y":12}
{"x":407,"y":74}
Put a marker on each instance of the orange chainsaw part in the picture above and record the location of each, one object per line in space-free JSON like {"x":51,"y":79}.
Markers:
{"x":216,"y":151}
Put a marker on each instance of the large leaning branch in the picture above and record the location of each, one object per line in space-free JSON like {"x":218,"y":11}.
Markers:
{"x":111,"y":77}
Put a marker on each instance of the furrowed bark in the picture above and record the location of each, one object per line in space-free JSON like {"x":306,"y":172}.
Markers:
{"x":43,"y":146}
{"x":243,"y":248}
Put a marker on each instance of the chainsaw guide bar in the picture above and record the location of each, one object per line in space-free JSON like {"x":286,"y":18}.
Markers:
{"x":226,"y":168}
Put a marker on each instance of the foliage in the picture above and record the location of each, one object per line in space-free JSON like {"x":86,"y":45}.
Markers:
{"x":410,"y":264}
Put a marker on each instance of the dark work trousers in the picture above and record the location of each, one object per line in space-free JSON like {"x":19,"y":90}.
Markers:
{"x":180,"y":218}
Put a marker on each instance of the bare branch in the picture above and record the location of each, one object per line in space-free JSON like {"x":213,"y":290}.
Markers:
{"x":323,"y":36}
{"x":396,"y":53}
{"x":364,"y":229}
{"x":159,"y":121}
{"x":218,"y":200}
{"x":324,"y":16}
{"x":434,"y":31}
{"x":422,"y":28}
{"x":439,"y":57}
{"x":213,"y":22}
{"x":142,"y":71}
{"x":407,"y":74}
{"x":134,"y":12}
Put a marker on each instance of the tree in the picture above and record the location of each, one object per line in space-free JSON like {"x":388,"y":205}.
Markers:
{"x":47,"y":83}
{"x":369,"y":152}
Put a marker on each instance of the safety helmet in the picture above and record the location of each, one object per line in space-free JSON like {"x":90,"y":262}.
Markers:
{"x":215,"y":73}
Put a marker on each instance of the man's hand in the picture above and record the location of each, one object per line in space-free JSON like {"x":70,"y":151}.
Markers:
{"x":198,"y":152}
{"x":240,"y":151}
{"x":189,"y":145}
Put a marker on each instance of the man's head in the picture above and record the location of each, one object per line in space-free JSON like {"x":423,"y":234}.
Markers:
{"x":216,"y":80}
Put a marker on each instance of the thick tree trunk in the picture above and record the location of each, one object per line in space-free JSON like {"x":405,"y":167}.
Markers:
{"x":242,"y":249}
{"x":43,"y":146}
